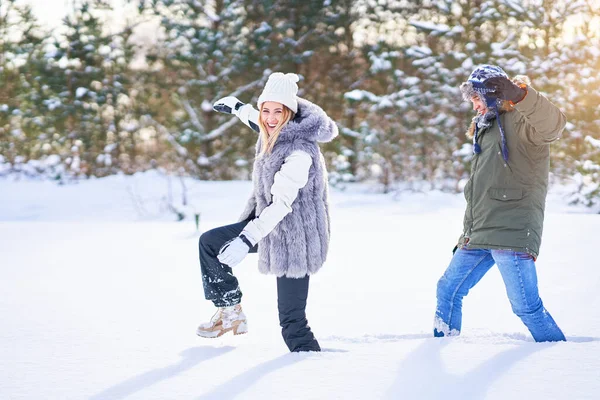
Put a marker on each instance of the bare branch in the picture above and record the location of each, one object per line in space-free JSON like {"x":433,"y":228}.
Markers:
{"x":182,"y":151}
{"x":215,"y":133}
{"x":193,"y":115}
{"x":349,"y":132}
{"x":249,"y":86}
{"x":217,"y":156}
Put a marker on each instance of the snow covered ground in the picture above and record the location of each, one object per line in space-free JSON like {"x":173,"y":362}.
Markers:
{"x":101,"y":295}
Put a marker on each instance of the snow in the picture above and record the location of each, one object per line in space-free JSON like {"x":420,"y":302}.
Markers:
{"x":52,"y":160}
{"x":429,"y":26}
{"x":358,"y":95}
{"x":590,"y":166}
{"x":515,"y":6}
{"x":412,"y":81}
{"x":80,"y":92}
{"x":385,"y":102}
{"x":206,"y":106}
{"x":263,"y":28}
{"x":104,"y":50}
{"x":101,"y":297}
{"x":594,"y":142}
{"x":52,"y":103}
{"x":418,"y":51}
{"x":380,"y":62}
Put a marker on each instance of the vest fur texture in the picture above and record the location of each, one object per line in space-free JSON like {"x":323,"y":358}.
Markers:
{"x":298,"y":245}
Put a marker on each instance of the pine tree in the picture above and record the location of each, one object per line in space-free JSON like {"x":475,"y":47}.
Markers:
{"x":199,"y":56}
{"x":86,"y":108}
{"x":416,"y":69}
{"x":229,"y":47}
{"x":21,"y":45}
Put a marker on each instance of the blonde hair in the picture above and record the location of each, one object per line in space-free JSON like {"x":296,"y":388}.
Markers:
{"x":267,"y":142}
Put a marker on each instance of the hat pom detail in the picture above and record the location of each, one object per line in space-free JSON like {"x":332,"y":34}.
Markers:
{"x":292,"y":77}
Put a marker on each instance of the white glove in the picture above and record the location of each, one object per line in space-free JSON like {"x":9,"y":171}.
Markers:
{"x":233,"y":252}
{"x":245,"y":112}
{"x":228,"y":105}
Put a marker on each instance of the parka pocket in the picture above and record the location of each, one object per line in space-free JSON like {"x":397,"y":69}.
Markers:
{"x":505,"y":194}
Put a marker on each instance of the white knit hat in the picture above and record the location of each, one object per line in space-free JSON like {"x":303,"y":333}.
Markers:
{"x":281,"y":88}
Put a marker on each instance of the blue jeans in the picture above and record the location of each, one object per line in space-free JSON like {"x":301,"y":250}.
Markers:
{"x":518,"y":272}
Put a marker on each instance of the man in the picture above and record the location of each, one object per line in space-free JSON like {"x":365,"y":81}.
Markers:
{"x":505,"y":196}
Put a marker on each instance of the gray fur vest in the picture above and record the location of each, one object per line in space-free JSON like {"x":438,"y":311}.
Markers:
{"x":298,"y":245}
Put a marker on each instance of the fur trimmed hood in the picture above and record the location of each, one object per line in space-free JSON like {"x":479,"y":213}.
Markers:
{"x":310,"y":123}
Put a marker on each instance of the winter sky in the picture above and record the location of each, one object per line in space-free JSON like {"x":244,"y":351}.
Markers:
{"x":51,"y":12}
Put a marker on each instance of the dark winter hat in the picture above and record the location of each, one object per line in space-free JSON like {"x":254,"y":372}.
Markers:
{"x":475,"y":86}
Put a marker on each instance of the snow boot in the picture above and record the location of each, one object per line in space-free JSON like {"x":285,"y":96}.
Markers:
{"x":225,"y":319}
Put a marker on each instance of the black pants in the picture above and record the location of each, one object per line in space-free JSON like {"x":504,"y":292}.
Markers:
{"x":222,"y":288}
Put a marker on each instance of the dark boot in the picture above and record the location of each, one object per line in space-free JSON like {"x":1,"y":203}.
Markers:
{"x":291,"y":300}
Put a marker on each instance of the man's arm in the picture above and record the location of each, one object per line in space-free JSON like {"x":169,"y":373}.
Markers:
{"x":545,"y":118}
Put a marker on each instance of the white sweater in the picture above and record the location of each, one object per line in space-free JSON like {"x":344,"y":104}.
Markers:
{"x":291,"y":177}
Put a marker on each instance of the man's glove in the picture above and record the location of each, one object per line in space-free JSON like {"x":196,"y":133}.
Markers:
{"x":228,"y":105}
{"x":234,"y":251}
{"x":504,"y":89}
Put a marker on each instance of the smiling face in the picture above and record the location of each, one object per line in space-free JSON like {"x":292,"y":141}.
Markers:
{"x":273,"y":119}
{"x":271,"y":113}
{"x":478,"y":105}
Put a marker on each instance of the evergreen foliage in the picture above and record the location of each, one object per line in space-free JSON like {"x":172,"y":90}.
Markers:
{"x":72,"y":103}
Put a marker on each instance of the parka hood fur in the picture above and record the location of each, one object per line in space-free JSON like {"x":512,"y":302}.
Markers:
{"x":310,"y":123}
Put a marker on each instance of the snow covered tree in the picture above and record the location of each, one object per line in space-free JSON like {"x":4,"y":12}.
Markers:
{"x":79,"y":83}
{"x":229,"y":47}
{"x":70,"y":112}
{"x":21,"y":41}
{"x":200,"y":58}
{"x":315,"y":39}
{"x":569,"y":72}
{"x":409,"y":99}
{"x":387,"y":71}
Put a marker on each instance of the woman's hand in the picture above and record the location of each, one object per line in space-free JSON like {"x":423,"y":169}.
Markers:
{"x":245,"y":112}
{"x":233,"y":252}
{"x":228,"y":105}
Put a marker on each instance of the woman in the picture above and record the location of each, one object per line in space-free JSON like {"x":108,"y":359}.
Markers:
{"x":286,"y":219}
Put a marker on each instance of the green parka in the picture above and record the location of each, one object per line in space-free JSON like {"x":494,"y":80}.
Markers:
{"x":506,"y":199}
